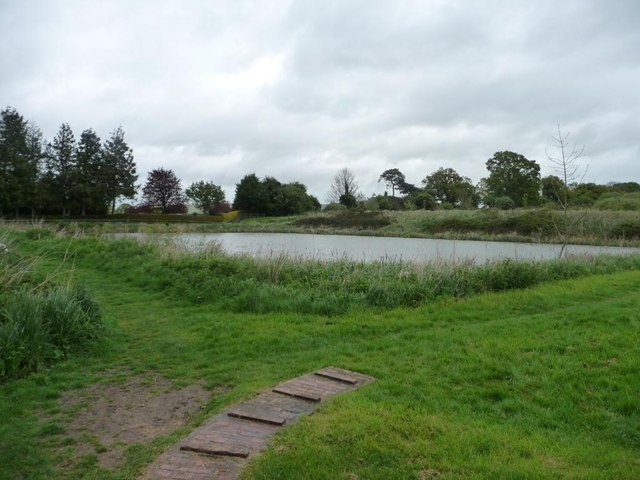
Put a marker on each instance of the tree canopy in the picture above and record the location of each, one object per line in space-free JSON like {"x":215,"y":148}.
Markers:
{"x":64,"y":176}
{"x":206,"y":196}
{"x":447,"y":186}
{"x":393,"y":178}
{"x":163,"y":191}
{"x":271,"y":197}
{"x":514,"y":176}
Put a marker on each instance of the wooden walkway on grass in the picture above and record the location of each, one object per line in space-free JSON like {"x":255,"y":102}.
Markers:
{"x":219,"y":448}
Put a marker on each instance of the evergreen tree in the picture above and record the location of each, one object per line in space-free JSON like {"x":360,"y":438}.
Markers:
{"x":89,"y":192}
{"x":12,"y":148}
{"x":62,"y":164}
{"x":251,"y":194}
{"x":118,"y":173}
{"x":20,"y":153}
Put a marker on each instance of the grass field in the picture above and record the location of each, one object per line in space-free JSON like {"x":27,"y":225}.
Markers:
{"x":532,"y":383}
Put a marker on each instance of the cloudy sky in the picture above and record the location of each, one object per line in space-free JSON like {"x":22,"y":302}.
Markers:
{"x":298,"y":89}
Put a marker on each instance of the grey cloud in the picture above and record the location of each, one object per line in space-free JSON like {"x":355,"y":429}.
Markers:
{"x":299,"y":89}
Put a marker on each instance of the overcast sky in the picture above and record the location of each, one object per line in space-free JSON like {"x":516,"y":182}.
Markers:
{"x":299,"y":89}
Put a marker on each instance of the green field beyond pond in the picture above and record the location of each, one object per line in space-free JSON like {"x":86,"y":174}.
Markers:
{"x":512,"y":370}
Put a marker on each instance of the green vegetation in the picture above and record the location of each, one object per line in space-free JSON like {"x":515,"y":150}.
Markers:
{"x":535,"y":383}
{"x":41,"y":320}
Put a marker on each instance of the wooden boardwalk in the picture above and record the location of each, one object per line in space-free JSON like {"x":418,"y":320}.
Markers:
{"x":219,"y":448}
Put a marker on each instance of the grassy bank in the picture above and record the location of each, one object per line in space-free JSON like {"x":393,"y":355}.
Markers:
{"x":595,"y":227}
{"x":280,"y":284}
{"x":532,"y":383}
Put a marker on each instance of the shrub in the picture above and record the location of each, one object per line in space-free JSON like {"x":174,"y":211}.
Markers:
{"x":504,"y":203}
{"x":628,"y":229}
{"x":618,"y":201}
{"x":347,"y":219}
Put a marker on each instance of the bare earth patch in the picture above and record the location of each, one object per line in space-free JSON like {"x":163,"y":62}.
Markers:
{"x":111,"y":416}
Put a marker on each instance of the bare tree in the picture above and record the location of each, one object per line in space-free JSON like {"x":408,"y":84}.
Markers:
{"x":566,"y":164}
{"x":343,"y":185}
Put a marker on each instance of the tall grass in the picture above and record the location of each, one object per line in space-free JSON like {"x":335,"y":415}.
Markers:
{"x":281,"y":284}
{"x":41,"y":319}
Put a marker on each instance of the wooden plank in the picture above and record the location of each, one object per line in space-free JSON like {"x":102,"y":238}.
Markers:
{"x":257,"y":417}
{"x":335,"y":375}
{"x":297,"y":393}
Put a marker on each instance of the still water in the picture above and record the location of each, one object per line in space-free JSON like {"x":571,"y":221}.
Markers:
{"x":370,"y":249}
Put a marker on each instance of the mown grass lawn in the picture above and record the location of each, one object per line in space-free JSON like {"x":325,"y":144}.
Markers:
{"x":536,"y":383}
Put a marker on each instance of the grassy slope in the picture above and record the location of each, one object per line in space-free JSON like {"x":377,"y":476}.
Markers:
{"x":541,"y":383}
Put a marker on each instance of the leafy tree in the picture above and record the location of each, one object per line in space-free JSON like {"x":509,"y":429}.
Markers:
{"x":449,"y":187}
{"x":393,"y":178}
{"x":88,"y":189}
{"x":406,"y":188}
{"x":118,"y":175}
{"x":295,"y":199}
{"x":386,"y":202}
{"x":626,"y":187}
{"x":271,"y":197}
{"x":163,"y":191}
{"x":552,"y":188}
{"x":205,"y":195}
{"x":514,"y":176}
{"x":343,"y":184}
{"x":251,"y":194}
{"x":348,"y":200}
{"x":62,"y":165}
{"x":424,"y":201}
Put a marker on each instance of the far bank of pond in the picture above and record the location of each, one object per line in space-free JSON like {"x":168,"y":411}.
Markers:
{"x":371,"y":249}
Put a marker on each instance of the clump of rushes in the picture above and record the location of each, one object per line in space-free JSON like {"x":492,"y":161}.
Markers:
{"x":40,"y":321}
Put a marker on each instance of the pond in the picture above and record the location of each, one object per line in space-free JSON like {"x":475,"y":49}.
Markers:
{"x":370,"y":249}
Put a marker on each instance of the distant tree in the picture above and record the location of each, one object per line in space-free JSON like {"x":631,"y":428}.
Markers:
{"x":449,"y":187}
{"x":295,"y":199}
{"x":223,"y":207}
{"x":348,"y":200}
{"x":625,"y":187}
{"x":118,"y":173}
{"x":88,"y":189}
{"x":406,"y":188}
{"x":205,"y":195}
{"x":552,"y":188}
{"x":271,"y":197}
{"x":393,"y":178}
{"x":387,"y":202}
{"x":343,"y":184}
{"x":163,"y":191}
{"x":423,"y":201}
{"x":251,"y":195}
{"x":514,"y":176}
{"x":20,"y":155}
{"x":62,"y":164}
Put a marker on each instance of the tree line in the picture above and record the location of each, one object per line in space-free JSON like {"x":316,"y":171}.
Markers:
{"x":87,"y":176}
{"x":65,"y":176}
{"x":513,"y":181}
